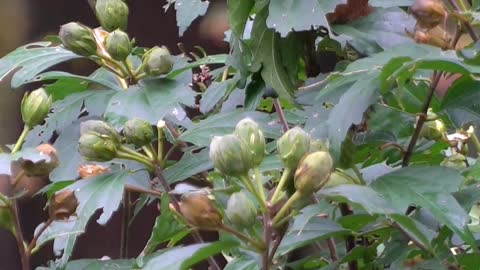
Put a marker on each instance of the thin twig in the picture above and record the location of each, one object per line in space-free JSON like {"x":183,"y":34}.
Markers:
{"x":281,"y":114}
{"x":124,"y":226}
{"x":267,"y":231}
{"x":276,"y":245}
{"x":25,"y":260}
{"x":33,"y":243}
{"x":421,"y":118}
{"x":350,"y":240}
{"x":332,"y":248}
{"x":467,"y":25}
{"x":158,"y":172}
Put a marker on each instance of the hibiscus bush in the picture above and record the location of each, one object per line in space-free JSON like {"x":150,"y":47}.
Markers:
{"x":333,"y":135}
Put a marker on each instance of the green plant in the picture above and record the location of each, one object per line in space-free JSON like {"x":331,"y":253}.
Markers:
{"x":364,"y":166}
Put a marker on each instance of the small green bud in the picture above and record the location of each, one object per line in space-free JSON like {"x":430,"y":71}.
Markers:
{"x":433,"y":130}
{"x":455,"y":161}
{"x":313,"y":172}
{"x":138,"y":131}
{"x":158,"y":61}
{"x":230,"y":155}
{"x":292,"y":146}
{"x":78,"y":38}
{"x":97,"y":147}
{"x":112,"y":14}
{"x":101,"y":128}
{"x":118,"y":45}
{"x":35,"y":107}
{"x":240,"y":210}
{"x":250,"y":133}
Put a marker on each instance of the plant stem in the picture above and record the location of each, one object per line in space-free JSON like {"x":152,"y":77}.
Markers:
{"x":33,"y":243}
{"x":158,"y":172}
{"x":332,"y":248}
{"x":248,"y":184}
{"x":286,"y":208}
{"x":350,"y":240}
{"x":151,"y":192}
{"x":21,"y":139}
{"x":25,"y":260}
{"x":281,"y":114}
{"x":267,"y":227}
{"x":359,"y":175}
{"x":19,"y":176}
{"x":258,"y":179}
{"x":281,"y":184}
{"x":146,"y":162}
{"x":124,"y":226}
{"x":128,"y":67}
{"x":160,"y":137}
{"x":468,"y":26}
{"x":259,"y":246}
{"x":276,"y":245}
{"x":421,"y":118}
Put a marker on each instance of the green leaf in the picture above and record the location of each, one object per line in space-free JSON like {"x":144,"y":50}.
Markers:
{"x":462,"y":101}
{"x":181,"y":65}
{"x":214,"y":94}
{"x":350,"y":109}
{"x":151,"y":102}
{"x":182,"y":258}
{"x":165,"y":228}
{"x":414,"y":230}
{"x":188,"y":11}
{"x":95,"y":264}
{"x":291,"y":15}
{"x":238,"y":12}
{"x":366,"y":197}
{"x":242,"y":263}
{"x":31,"y":59}
{"x":265,"y":48}
{"x":381,"y":30}
{"x":316,"y":229}
{"x":201,"y":133}
{"x":190,"y":164}
{"x":102,"y":192}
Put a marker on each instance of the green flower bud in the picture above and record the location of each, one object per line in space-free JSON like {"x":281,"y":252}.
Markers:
{"x":35,"y":107}
{"x":455,"y":161}
{"x":313,"y":172}
{"x":240,"y":210}
{"x":118,"y":45}
{"x":230,"y":155}
{"x":250,"y":133}
{"x":78,"y":38}
{"x":433,"y":130}
{"x":138,"y":131}
{"x":158,"y":61}
{"x":200,"y":211}
{"x":100,"y":128}
{"x":292,"y":146}
{"x":112,"y":14}
{"x":97,"y":147}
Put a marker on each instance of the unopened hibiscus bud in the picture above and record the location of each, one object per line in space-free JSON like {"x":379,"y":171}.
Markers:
{"x":200,"y":212}
{"x":35,"y":107}
{"x":292,"y":146}
{"x":250,"y":133}
{"x":112,"y":14}
{"x":158,"y":61}
{"x":101,"y":128}
{"x":433,"y":128}
{"x":96,"y":147}
{"x":118,"y":45}
{"x":62,"y":205}
{"x":313,"y":172}
{"x":240,"y":210}
{"x":91,"y":170}
{"x":78,"y":38}
{"x":429,"y":13}
{"x":138,"y":131}
{"x":455,"y":161}
{"x":230,"y":155}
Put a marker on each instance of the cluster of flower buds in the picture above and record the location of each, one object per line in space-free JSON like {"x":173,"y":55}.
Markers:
{"x":35,"y":107}
{"x":235,"y":154}
{"x":101,"y":142}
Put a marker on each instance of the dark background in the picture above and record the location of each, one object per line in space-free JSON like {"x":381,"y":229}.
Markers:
{"x":24,"y":21}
